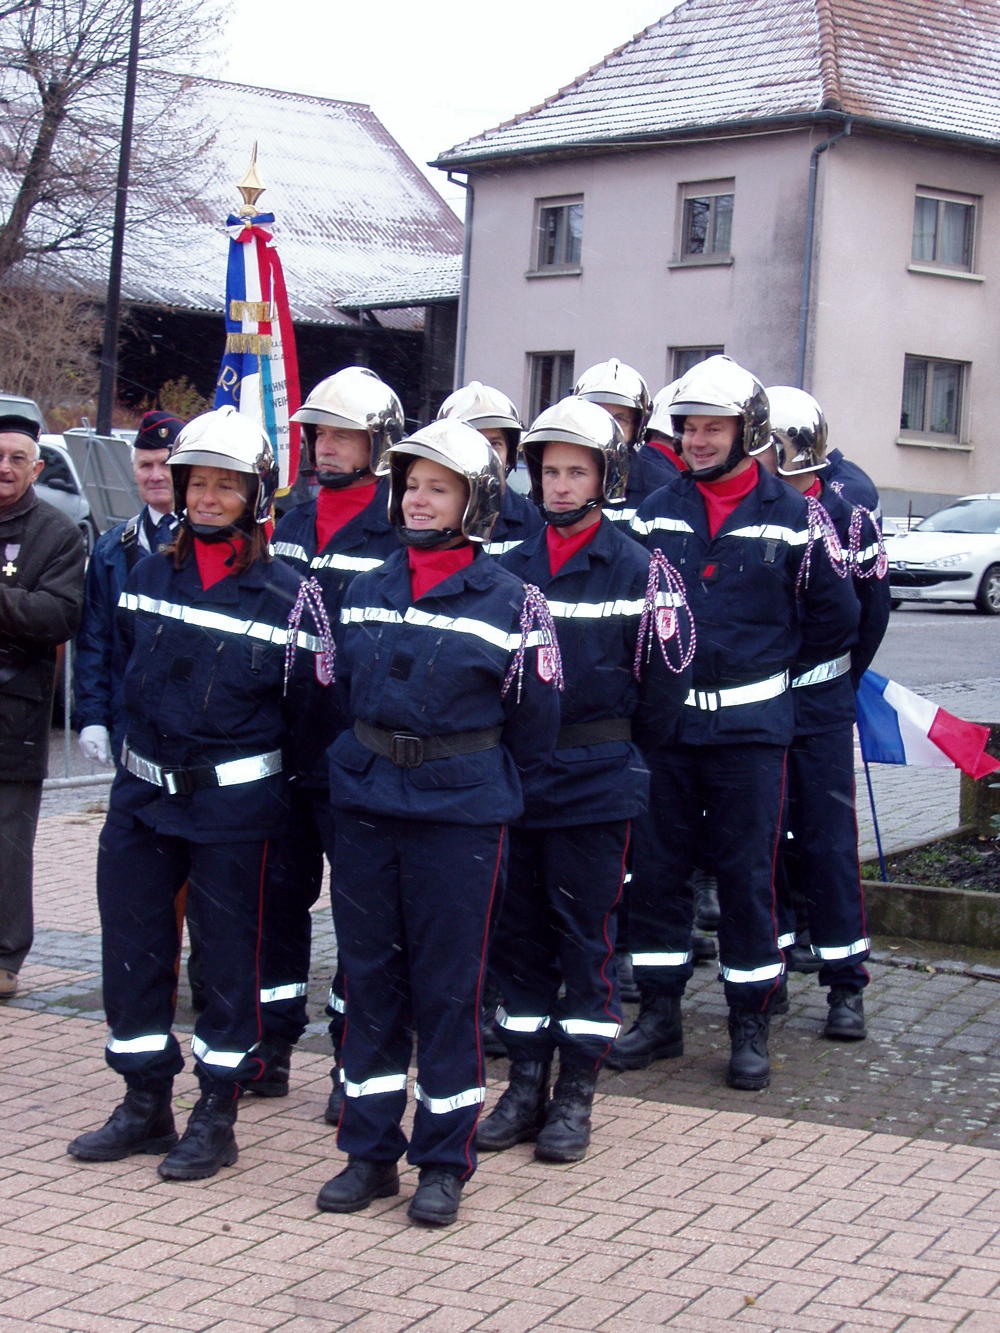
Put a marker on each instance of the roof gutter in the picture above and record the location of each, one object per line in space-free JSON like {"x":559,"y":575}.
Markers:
{"x":807,"y":267}
{"x":463,"y":290}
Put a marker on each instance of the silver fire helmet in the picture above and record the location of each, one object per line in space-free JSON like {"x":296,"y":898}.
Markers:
{"x":614,"y":382}
{"x":484,"y":408}
{"x":798,"y":430}
{"x":719,"y":387}
{"x":576,"y":421}
{"x":226,"y":438}
{"x":353,"y":399}
{"x":459,"y":447}
{"x":660,"y":418}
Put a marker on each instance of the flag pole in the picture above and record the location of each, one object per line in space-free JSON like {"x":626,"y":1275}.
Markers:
{"x":878,"y":836}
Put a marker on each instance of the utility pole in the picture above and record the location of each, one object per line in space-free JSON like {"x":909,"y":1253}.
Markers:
{"x":112,"y":308}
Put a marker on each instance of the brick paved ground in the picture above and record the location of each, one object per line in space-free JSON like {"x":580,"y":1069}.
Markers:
{"x":860,"y":1192}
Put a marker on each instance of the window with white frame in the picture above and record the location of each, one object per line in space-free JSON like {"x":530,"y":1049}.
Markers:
{"x":932,"y":399}
{"x":683,"y":358}
{"x":558,"y":234}
{"x":706,"y":220}
{"x":944,"y":229}
{"x":551,"y":378}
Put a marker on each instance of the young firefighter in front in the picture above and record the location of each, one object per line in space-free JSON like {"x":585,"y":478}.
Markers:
{"x":451,"y":715}
{"x":765,"y":593}
{"x":625,"y":644}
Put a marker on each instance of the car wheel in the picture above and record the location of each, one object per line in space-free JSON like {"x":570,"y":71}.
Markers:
{"x":896,"y":603}
{"x":988,"y":596}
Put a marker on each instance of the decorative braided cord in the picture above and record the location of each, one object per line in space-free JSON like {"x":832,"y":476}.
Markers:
{"x":665,"y":628}
{"x":310,"y":598}
{"x":874,"y":569}
{"x":535,"y":615}
{"x":820,"y":526}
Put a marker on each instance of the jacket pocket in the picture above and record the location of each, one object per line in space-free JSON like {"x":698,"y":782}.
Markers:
{"x":460,"y":770}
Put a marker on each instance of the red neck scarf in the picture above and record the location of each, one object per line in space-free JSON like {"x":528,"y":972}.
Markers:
{"x":665,"y":449}
{"x":816,"y":489}
{"x":563,"y":548}
{"x":429,"y":568}
{"x":335,"y":509}
{"x":721,"y":497}
{"x":212,"y":557}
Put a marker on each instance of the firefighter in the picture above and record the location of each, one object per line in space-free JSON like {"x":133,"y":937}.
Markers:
{"x":765,"y":594}
{"x":97,"y":668}
{"x":454,"y":709}
{"x":199,"y":793}
{"x":622,"y":391}
{"x":493,"y":414}
{"x":622,"y":644}
{"x":821,"y":873}
{"x":659,"y":435}
{"x":348,"y":421}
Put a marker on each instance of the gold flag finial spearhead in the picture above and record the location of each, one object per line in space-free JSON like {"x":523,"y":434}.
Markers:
{"x":251,"y":187}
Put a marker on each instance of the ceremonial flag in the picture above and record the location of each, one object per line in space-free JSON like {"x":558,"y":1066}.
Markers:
{"x":260,"y":373}
{"x":897,"y":726}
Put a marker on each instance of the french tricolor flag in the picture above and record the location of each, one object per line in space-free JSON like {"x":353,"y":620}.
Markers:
{"x":897,"y":726}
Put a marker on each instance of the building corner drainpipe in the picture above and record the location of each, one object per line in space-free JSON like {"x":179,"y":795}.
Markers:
{"x":463,"y":291}
{"x":800,"y":371}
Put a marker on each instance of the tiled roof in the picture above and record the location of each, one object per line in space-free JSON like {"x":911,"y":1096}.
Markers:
{"x":436,"y":280}
{"x":351,"y":209}
{"x":933,"y":65}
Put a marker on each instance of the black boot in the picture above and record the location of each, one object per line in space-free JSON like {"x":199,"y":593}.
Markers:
{"x":358,"y":1185}
{"x":749,"y":1066}
{"x":273,"y":1082}
{"x":520,"y":1112}
{"x":655,"y":1035}
{"x":143,"y":1123}
{"x":567,"y":1122}
{"x":800,"y":957}
{"x":706,"y":901}
{"x":335,"y":1103}
{"x":437,"y":1197}
{"x":703,"y":948}
{"x":628,"y":991}
{"x":208,"y":1142}
{"x":846,"y":1019}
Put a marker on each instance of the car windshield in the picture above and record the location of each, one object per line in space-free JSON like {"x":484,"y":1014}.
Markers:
{"x":966,"y":516}
{"x":19,"y":407}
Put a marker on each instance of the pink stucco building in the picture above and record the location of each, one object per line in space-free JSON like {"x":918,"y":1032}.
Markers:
{"x":811,"y":185}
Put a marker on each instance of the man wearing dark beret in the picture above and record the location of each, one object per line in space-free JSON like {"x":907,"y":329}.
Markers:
{"x":41,"y":594}
{"x":97,"y":677}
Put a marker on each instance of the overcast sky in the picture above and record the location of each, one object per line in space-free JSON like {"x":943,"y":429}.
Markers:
{"x":435,"y":72}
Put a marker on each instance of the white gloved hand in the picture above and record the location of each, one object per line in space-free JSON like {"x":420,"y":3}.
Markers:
{"x":95,"y":745}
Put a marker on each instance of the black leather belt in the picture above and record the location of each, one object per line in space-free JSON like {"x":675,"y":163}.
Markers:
{"x":409,"y":751}
{"x":593,"y":733}
{"x":184,"y":781}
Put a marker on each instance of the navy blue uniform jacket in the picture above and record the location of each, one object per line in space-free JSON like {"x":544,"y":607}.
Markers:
{"x":740,"y":583}
{"x":203,"y":684}
{"x":519,"y":518}
{"x":851,"y":482}
{"x":828,"y":705}
{"x":648,"y":471}
{"x":98,"y":665}
{"x":596,"y":600}
{"x":432,"y":668}
{"x":315,"y":714}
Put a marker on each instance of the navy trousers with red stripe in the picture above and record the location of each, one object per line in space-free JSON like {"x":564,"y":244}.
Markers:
{"x":557,"y":929}
{"x":139,"y":874}
{"x":411,"y":906}
{"x":730,"y":798}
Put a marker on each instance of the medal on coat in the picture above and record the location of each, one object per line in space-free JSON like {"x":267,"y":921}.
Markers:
{"x":666,"y":623}
{"x":323,"y":673}
{"x":547,"y":662}
{"x":11,"y":551}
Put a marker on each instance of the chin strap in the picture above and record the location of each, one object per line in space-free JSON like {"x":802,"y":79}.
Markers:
{"x":661,"y":618}
{"x":820,"y":526}
{"x":310,"y":598}
{"x":736,"y":455}
{"x":566,"y":518}
{"x":427,"y":539}
{"x":879,"y":567}
{"x":337,"y":481}
{"x":211,"y":536}
{"x":538,"y":631}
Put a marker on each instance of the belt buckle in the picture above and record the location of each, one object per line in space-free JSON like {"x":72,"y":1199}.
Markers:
{"x":177,"y":781}
{"x":406,"y":751}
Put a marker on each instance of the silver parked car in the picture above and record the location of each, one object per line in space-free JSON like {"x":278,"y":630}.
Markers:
{"x":953,"y":556}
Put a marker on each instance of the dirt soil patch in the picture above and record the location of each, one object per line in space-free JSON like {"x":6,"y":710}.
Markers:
{"x":969,"y":862}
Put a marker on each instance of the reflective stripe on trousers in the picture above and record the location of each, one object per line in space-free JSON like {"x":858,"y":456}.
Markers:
{"x":289,"y":992}
{"x":138,"y":1045}
{"x":443,"y":1105}
{"x":224,"y":1059}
